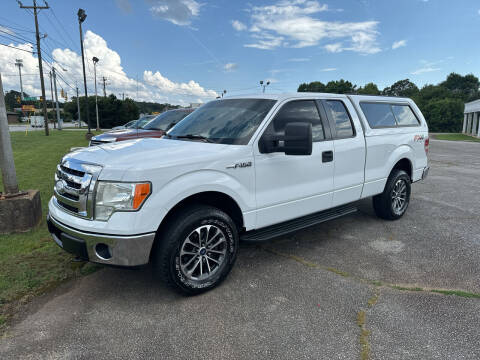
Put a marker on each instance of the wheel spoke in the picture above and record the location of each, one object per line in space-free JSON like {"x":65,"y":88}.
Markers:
{"x":214,"y":237}
{"x":183,"y":252}
{"x":222,"y":240}
{"x":216,"y":251}
{"x":209,"y":258}
{"x":190,"y":272}
{"x":208,"y":265}
{"x":190,"y":261}
{"x":187,"y":241}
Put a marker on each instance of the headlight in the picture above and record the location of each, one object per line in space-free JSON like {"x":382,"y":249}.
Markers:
{"x":113,"y":196}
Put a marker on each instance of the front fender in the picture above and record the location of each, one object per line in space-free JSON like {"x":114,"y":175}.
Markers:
{"x":199,"y":181}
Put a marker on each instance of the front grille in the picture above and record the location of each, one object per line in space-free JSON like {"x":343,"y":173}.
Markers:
{"x":72,"y":171}
{"x":74,"y":187}
{"x":97,"y":142}
{"x":68,"y":207}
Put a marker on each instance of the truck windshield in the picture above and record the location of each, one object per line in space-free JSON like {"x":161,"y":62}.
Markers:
{"x":166,"y":120}
{"x":140,"y":122}
{"x":230,"y":121}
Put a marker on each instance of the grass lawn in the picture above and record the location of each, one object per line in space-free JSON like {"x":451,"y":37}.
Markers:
{"x":31,"y":262}
{"x":456,"y":137}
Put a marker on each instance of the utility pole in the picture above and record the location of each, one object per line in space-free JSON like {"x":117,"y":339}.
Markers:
{"x":95,"y":61}
{"x":59,"y":121}
{"x":78,"y":108}
{"x":81,"y":18}
{"x":104,"y":81}
{"x":39,"y":52}
{"x":7,"y":165}
{"x":19,"y":63}
{"x":51,"y":90}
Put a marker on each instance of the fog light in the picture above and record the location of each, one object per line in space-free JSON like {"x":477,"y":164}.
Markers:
{"x":103,"y":251}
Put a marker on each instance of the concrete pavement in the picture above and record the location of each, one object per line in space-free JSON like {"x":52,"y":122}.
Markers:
{"x":317,"y":294}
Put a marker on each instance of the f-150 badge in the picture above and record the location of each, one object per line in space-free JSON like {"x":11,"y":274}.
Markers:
{"x":240,"y":165}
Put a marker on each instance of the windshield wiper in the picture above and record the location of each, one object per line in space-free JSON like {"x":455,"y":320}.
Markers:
{"x":193,"y":137}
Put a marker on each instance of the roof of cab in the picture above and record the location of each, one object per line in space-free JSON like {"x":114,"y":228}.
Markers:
{"x":299,"y":95}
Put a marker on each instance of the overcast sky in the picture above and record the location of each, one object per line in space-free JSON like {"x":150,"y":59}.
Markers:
{"x":182,"y":51}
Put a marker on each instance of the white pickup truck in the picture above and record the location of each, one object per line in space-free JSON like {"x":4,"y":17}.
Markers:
{"x":240,"y":168}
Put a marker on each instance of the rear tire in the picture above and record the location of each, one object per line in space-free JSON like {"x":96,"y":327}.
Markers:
{"x":197,"y":250}
{"x":393,"y":202}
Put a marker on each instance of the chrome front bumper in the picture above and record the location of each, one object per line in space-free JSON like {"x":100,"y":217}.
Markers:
{"x":118,"y":250}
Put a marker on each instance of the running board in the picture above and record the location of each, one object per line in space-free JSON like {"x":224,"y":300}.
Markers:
{"x":290,"y":226}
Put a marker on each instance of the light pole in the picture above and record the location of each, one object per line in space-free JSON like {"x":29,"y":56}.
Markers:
{"x":19,"y":63}
{"x":95,"y":61}
{"x":78,"y":107}
{"x":59,"y":121}
{"x":264,"y":85}
{"x":81,"y":18}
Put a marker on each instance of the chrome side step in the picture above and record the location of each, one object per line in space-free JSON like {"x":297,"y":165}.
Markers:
{"x":290,"y":226}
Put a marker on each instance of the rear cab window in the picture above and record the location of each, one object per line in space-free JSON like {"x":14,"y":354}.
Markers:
{"x":340,"y":119}
{"x":381,"y":115}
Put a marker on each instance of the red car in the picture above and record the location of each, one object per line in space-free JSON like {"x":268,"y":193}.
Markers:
{"x":155,"y":128}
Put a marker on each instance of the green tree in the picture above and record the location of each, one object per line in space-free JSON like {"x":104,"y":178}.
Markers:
{"x":11,"y":99}
{"x":444,"y":115}
{"x":369,"y":89}
{"x":466,"y":87}
{"x":340,"y":87}
{"x":403,"y":88}
{"x":150,"y":107}
{"x":111,"y":111}
{"x":315,"y":86}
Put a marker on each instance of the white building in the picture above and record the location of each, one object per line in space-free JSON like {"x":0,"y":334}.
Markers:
{"x":471,"y":119}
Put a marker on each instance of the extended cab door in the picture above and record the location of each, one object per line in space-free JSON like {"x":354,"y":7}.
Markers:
{"x":290,"y":186}
{"x":349,"y":150}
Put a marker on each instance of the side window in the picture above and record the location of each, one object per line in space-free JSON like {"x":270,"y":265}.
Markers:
{"x":298,"y":111}
{"x":404,"y":115}
{"x":378,"y":114}
{"x":341,"y":118}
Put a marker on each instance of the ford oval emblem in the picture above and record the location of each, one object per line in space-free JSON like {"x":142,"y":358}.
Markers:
{"x":60,"y":186}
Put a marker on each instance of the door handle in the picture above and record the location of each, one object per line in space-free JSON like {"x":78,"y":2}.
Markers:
{"x":327,"y":156}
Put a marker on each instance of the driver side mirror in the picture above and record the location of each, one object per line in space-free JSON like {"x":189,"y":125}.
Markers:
{"x":296,"y":141}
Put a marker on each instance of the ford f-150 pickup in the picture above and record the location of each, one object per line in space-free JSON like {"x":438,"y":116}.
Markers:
{"x":241,"y":168}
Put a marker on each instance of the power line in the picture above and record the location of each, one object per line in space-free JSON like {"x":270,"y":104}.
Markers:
{"x":66,"y":32}
{"x":56,"y":29}
{"x":13,"y":47}
{"x":14,"y":37}
{"x":14,"y":28}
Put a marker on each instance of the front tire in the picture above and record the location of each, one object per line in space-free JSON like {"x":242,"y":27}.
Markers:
{"x":197,"y":250}
{"x":393,"y":202}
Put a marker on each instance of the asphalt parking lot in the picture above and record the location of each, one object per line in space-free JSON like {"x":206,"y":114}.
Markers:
{"x":357,"y":287}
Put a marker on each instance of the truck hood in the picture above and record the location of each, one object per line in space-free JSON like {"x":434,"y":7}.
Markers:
{"x":141,"y":155}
